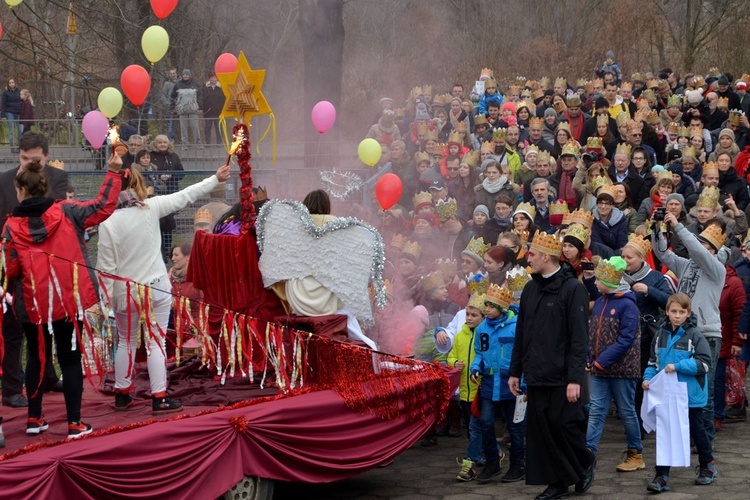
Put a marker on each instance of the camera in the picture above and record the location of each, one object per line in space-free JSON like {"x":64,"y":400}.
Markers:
{"x":659,"y":213}
{"x":590,"y":157}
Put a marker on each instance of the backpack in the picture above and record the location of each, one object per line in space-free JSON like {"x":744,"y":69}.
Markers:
{"x":187,"y":101}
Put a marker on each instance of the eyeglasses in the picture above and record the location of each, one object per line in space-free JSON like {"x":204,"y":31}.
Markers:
{"x":638,"y":159}
{"x":452,"y":169}
{"x":603,"y":202}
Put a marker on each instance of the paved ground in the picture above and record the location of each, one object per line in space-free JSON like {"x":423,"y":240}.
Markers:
{"x":429,"y":473}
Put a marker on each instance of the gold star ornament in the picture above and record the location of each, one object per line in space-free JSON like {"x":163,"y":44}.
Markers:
{"x":243,"y":92}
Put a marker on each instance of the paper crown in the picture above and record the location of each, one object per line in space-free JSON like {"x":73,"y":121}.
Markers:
{"x":477,"y":247}
{"x":652,"y":118}
{"x":514,"y":90}
{"x":536,"y":122}
{"x":573,"y":101}
{"x":448,"y":268}
{"x":594,"y":142}
{"x":432,"y":281}
{"x":664,"y":174}
{"x":438,"y":100}
{"x":626,"y":86}
{"x":698,"y":81}
{"x":735,"y":117}
{"x":606,"y":190}
{"x":531,"y":149}
{"x":427,"y":89}
{"x":583,"y":217}
{"x":517,"y":278}
{"x":648,"y":95}
{"x":557,"y":211}
{"x":723,"y":103}
{"x":710,"y":167}
{"x":624,"y":149}
{"x":602,"y":119}
{"x":564,"y":126}
{"x":261,"y":194}
{"x":480,"y":119}
{"x":689,"y":152}
{"x":640,"y":243}
{"x":713,"y":71}
{"x":421,"y":199}
{"x":526,"y":95}
{"x":461,"y":127}
{"x":499,"y":295}
{"x":522,"y":234}
{"x":599,"y":181}
{"x":559,"y":107}
{"x":578,"y":232}
{"x":399,"y":241}
{"x":526,"y":208}
{"x":610,"y":271}
{"x":547,"y":243}
{"x":569,"y":149}
{"x":455,"y":138}
{"x":652,"y":83}
{"x":476,"y":301}
{"x":488,"y":147}
{"x":520,"y":80}
{"x":58,"y":164}
{"x":561,"y":82}
{"x":203,"y":216}
{"x":714,"y":235}
{"x":543,"y":157}
{"x":566,"y":219}
{"x":471,"y":158}
{"x":537,"y":94}
{"x":421,"y":156}
{"x":640,"y":116}
{"x":663,"y":85}
{"x":598,"y":83}
{"x":674,"y":100}
{"x":413,"y":249}
{"x":490,"y":83}
{"x":416,"y":91}
{"x":439,"y":149}
{"x":399,"y":112}
{"x":431,"y":135}
{"x":499,"y":134}
{"x":683,"y":132}
{"x":589,"y":87}
{"x":477,"y":282}
{"x":544,"y":82}
{"x":486,"y":73}
{"x":709,"y":198}
{"x":639,"y":78}
{"x":622,"y":119}
{"x":635,"y":126}
{"x":673,"y":128}
{"x":581,"y":82}
{"x":446,"y":209}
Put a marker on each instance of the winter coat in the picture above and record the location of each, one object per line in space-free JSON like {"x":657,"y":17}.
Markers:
{"x":731,"y":184}
{"x":701,"y":277}
{"x":40,"y":227}
{"x":486,"y":99}
{"x":167,"y":162}
{"x":484,"y":197}
{"x":615,"y":336}
{"x":731,"y":303}
{"x":690,"y":353}
{"x":213,"y":101}
{"x":27,"y":113}
{"x":463,"y":350}
{"x":493,"y":344}
{"x":186,"y":97}
{"x":384,"y":134}
{"x":742,"y":267}
{"x":612,"y":234}
{"x":552,"y":330}
{"x":11,"y":102}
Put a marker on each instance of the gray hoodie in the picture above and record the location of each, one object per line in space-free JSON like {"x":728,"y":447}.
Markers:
{"x":701,"y":278}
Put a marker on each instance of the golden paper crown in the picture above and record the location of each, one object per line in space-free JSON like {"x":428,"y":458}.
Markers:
{"x":477,"y":283}
{"x":399,"y":112}
{"x":547,"y":243}
{"x":723,"y":103}
{"x":486,"y":73}
{"x":714,"y":236}
{"x":664,"y":174}
{"x":421,"y":156}
{"x":559,"y":107}
{"x":602,"y":119}
{"x":559,"y":207}
{"x":526,"y":96}
{"x":517,"y":278}
{"x":477,"y":246}
{"x":573,"y":101}
{"x":622,"y":119}
{"x":431,"y":135}
{"x":416,"y":91}
{"x":447,"y":268}
{"x":446,"y":209}
{"x":578,"y":232}
{"x":490,"y":83}
{"x":422,"y":198}
{"x":713,"y":71}
{"x":514,"y":89}
{"x":499,"y":134}
{"x":438,"y":100}
{"x":607,"y":189}
{"x":536,"y":122}
{"x":526,"y":208}
{"x":640,"y":243}
{"x":532,"y":84}
{"x":566,"y":219}
{"x":638,"y":77}
{"x":683,"y":132}
{"x":710,"y":167}
{"x":455,"y":138}
{"x":709,"y":198}
{"x":476,"y":301}
{"x":564,"y":126}
{"x":471,"y":158}
{"x":439,"y":149}
{"x":581,"y":82}
{"x":461,"y":127}
{"x":432,"y":281}
{"x":640,"y":116}
{"x":624,"y":149}
{"x":203,"y":216}
{"x":412,"y":248}
{"x":652,"y":83}
{"x":674,"y":100}
{"x":635,"y":126}
{"x":599,"y":181}
{"x":480,"y":119}
{"x":626,"y":86}
{"x":427,"y":89}
{"x":58,"y":164}
{"x":648,"y":95}
{"x":544,"y":82}
{"x":663,"y":85}
{"x":735,"y":117}
{"x":498,"y":295}
{"x":610,"y":271}
{"x":698,"y":81}
{"x":594,"y":142}
{"x":543,"y":157}
{"x":522,"y":234}
{"x":583,"y":217}
{"x":598,"y":83}
{"x":570,"y":149}
{"x":561,"y":82}
{"x":589,"y":87}
{"x":745,"y":77}
{"x":652,"y":118}
{"x":488,"y":147}
{"x":689,"y":152}
{"x":673,"y":128}
{"x":520,"y":81}
{"x":537,"y":94}
{"x":531,"y":149}
{"x":398,"y":241}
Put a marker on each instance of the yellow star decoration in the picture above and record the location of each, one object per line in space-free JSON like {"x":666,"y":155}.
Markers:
{"x":243,"y":92}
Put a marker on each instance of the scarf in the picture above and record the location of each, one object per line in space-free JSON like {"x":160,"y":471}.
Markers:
{"x":502,"y":221}
{"x":178,"y":274}
{"x":566,"y":191}
{"x":128,"y":198}
{"x":494,"y":187}
{"x":632,"y":279}
{"x":733,"y":150}
{"x":576,"y":125}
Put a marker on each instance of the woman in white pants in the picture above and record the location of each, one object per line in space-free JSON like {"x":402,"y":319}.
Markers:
{"x":130,"y":247}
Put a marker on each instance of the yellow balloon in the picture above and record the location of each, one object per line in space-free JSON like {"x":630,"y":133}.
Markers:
{"x":369,"y":151}
{"x":13,"y":3}
{"x":155,"y":42}
{"x":110,"y":102}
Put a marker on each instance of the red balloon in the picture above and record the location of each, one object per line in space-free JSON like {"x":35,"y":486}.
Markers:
{"x":162,"y":8}
{"x":388,"y":190}
{"x":135,"y":83}
{"x":226,"y":63}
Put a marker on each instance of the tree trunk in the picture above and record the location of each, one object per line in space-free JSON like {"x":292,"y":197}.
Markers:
{"x":321,"y":26}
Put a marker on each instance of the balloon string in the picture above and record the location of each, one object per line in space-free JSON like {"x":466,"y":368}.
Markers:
{"x":271,"y":126}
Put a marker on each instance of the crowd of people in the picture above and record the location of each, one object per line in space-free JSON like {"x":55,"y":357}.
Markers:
{"x":568,"y":241}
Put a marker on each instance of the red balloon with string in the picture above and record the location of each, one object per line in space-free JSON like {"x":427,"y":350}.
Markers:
{"x":162,"y":8}
{"x":136,"y":83}
{"x":388,"y":190}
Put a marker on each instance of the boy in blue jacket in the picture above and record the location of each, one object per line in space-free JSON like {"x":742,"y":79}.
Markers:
{"x":493,"y":344}
{"x":679,"y":347}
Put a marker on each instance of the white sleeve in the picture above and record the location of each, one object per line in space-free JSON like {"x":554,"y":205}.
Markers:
{"x":451,"y":330}
{"x":170,"y":203}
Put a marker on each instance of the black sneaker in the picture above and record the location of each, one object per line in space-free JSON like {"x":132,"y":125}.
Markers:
{"x":164,"y":405}
{"x":516,"y":472}
{"x":123,"y":401}
{"x":706,"y":474}
{"x":659,"y":484}
{"x":490,"y":470}
{"x":735,"y":414}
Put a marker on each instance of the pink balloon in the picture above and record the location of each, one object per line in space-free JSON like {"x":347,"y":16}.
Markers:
{"x":95,"y":127}
{"x":323,"y":116}
{"x":226,"y":63}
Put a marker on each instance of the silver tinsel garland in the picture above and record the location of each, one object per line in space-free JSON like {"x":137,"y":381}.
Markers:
{"x":340,"y":184}
{"x":378,"y":263}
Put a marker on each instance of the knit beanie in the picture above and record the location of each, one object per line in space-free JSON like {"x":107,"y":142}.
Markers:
{"x":550,"y":111}
{"x":727,"y":133}
{"x":483,"y":209}
{"x":601,"y":102}
{"x":575,"y":242}
{"x":508,"y":105}
{"x":676,"y":196}
{"x":186,"y":72}
{"x":676,"y":168}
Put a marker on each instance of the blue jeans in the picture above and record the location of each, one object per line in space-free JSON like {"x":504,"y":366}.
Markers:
{"x":603,"y":389}
{"x":720,"y":390}
{"x":474,"y":426}
{"x":516,"y":430}
{"x":13,"y":126}
{"x":698,"y":435}
{"x":708,"y":411}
